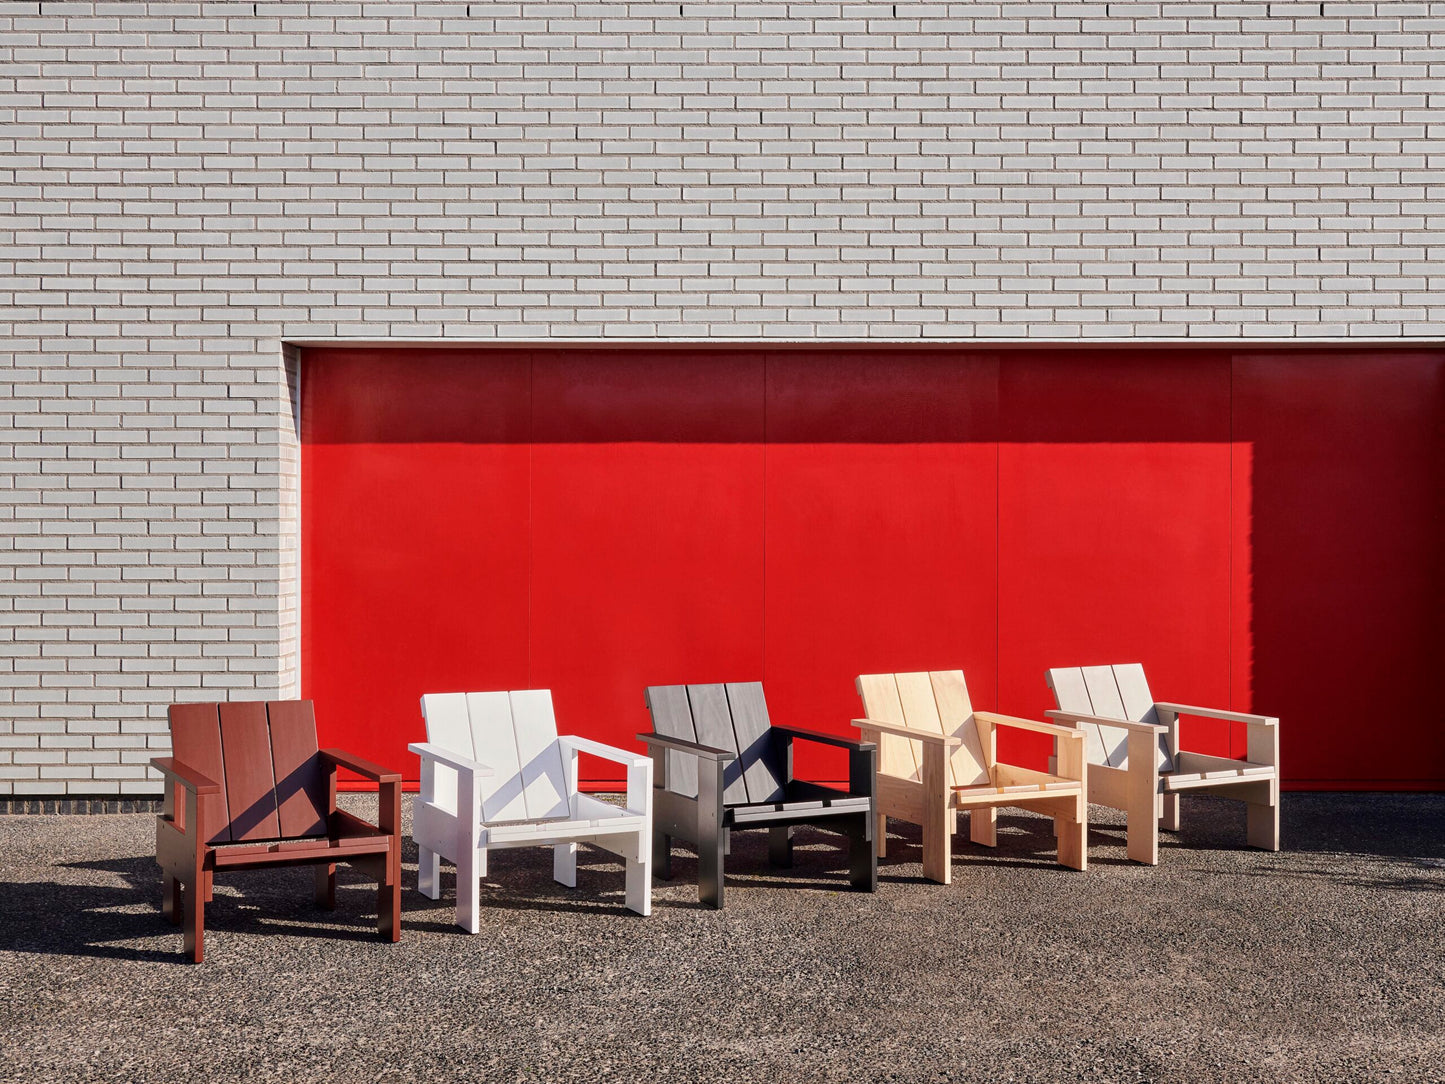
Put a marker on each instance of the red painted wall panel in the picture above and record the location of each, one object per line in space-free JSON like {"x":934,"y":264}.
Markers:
{"x":1262,"y":530}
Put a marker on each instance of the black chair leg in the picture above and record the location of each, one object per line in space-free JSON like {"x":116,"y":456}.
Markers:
{"x":661,"y":856}
{"x":780,"y":846}
{"x":862,"y":855}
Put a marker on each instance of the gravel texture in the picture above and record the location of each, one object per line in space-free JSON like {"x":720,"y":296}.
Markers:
{"x":1323,"y":962}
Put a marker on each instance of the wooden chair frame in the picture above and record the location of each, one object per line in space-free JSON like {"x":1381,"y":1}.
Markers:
{"x":189,"y":859}
{"x":933,"y":803}
{"x":708,"y":819}
{"x":1149,"y":795}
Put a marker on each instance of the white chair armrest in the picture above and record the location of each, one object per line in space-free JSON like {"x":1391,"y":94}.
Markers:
{"x":456,"y":761}
{"x":606,"y":752}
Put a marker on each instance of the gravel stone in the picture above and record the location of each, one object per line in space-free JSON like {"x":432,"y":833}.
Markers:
{"x":1322,"y":962}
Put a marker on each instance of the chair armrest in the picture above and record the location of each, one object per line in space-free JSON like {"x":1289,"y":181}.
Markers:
{"x":366,"y":768}
{"x":681,"y":745}
{"x":1211,"y":713}
{"x":178,"y":772}
{"x":606,"y":752}
{"x":821,"y":738}
{"x":994,"y":719}
{"x":1122,"y":724}
{"x":907,"y":732}
{"x":455,"y":761}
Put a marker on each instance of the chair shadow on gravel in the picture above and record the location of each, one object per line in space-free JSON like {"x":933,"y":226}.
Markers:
{"x":62,"y":918}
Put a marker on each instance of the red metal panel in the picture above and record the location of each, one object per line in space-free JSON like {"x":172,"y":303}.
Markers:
{"x":1114,"y":526}
{"x":1348,"y":539}
{"x":647,"y":516}
{"x":415,"y":548}
{"x":881,"y":511}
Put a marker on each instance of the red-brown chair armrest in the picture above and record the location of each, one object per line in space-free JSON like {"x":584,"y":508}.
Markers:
{"x":366,"y":768}
{"x":185,"y":775}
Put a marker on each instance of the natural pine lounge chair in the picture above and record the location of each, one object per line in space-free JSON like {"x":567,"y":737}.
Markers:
{"x":938,"y":756}
{"x":495,"y":774}
{"x":246,"y":788}
{"x":722,"y":766}
{"x":1135,"y":763}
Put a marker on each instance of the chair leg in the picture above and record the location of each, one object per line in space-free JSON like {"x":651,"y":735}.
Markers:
{"x":661,"y":856}
{"x":862,"y":856}
{"x":428,"y":873}
{"x":170,"y":899}
{"x":388,"y":905}
{"x":210,"y":876}
{"x":193,"y":917}
{"x":780,"y":846}
{"x":1169,"y":819}
{"x":937,"y":844}
{"x":1262,"y":823}
{"x":1073,"y":837}
{"x":882,"y":834}
{"x":983,"y":826}
{"x":564,"y":864}
{"x":326,"y":886}
{"x":1143,"y":839}
{"x":471,"y":868}
{"x":639,"y":876}
{"x":710,"y":853}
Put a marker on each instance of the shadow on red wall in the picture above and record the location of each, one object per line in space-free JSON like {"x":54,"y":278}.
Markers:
{"x":1261,"y":530}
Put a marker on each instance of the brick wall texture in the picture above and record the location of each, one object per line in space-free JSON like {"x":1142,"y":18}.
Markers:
{"x":185,"y":187}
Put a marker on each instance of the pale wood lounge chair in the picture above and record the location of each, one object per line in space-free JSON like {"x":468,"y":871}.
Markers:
{"x":247,"y":788}
{"x":495,"y":774}
{"x":938,"y":756}
{"x":1135,"y":763}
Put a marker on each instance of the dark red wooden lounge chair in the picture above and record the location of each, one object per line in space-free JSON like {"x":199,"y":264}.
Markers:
{"x":247,"y":787}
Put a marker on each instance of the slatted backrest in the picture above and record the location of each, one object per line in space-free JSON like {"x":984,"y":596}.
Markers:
{"x":494,"y":743}
{"x":900,"y":757}
{"x":544,"y":781}
{"x":1110,"y":692}
{"x":712,"y":720}
{"x":969,"y":761}
{"x":449,"y":726}
{"x":672,"y":718}
{"x":264,"y":757}
{"x":760,"y":754}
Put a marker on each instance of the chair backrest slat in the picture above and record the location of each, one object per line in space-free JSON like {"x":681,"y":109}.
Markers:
{"x":196,"y":742}
{"x":969,"y":762}
{"x":672,"y":718}
{"x":544,"y":782}
{"x":1111,"y":692}
{"x":759,"y":753}
{"x":250,"y":782}
{"x":494,"y":743}
{"x":712,"y":719}
{"x":301,"y":790}
{"x":897,"y":756}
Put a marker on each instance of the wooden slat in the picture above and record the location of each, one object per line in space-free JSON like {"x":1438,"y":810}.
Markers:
{"x":301,"y":785}
{"x":196,"y":741}
{"x":1106,"y":703}
{"x":713,"y":721}
{"x":672,"y":718}
{"x":764,"y":774}
{"x":448,"y":723}
{"x":544,"y":779}
{"x":250,"y":784}
{"x":1139,"y":705}
{"x":1071,"y":694}
{"x":970,"y":760}
{"x":897,"y":756}
{"x":494,"y":743}
{"x":920,"y":711}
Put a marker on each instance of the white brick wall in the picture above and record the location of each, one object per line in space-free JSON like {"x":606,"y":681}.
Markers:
{"x":184,"y":186}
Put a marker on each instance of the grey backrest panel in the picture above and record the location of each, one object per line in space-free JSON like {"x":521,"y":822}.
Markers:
{"x":672,"y":718}
{"x":759,"y":751}
{"x":714,"y":725}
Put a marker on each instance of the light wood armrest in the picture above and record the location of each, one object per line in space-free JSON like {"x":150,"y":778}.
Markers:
{"x":455,"y":761}
{"x":373,"y":772}
{"x":907,"y":732}
{"x":1212,"y":713}
{"x":179,"y":772}
{"x":1122,"y":724}
{"x":606,"y":752}
{"x":994,"y":719}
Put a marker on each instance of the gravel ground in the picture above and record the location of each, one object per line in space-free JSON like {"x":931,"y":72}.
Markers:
{"x":1323,"y":962}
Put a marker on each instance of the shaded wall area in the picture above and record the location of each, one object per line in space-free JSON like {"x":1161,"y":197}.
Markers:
{"x":1262,"y":529}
